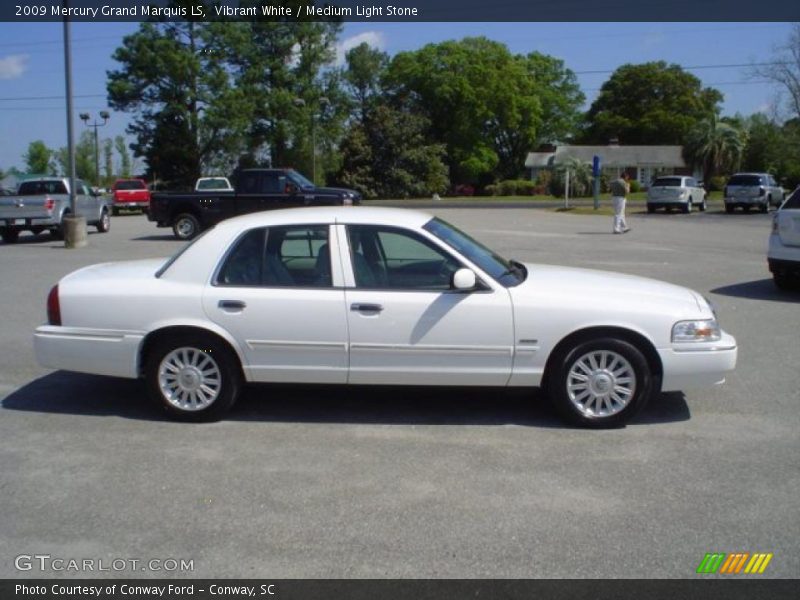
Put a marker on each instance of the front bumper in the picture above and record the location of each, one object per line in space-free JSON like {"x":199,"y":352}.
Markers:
{"x":697,"y":365}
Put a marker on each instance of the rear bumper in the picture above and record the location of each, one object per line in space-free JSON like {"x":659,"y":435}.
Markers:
{"x":131,"y":203}
{"x":745,"y":200}
{"x":28,"y":222}
{"x":97,"y":351}
{"x":702,"y":367}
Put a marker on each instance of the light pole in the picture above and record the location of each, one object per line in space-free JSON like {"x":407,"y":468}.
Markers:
{"x":323,"y":101}
{"x":85,"y":118}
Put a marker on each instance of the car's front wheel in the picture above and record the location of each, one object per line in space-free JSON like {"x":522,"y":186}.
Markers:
{"x":193,"y":377}
{"x":186,"y":226}
{"x":600,"y":383}
{"x":104,"y":224}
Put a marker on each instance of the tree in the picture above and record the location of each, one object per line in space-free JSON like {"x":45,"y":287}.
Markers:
{"x":560,"y":96}
{"x":649,"y":104}
{"x":715,"y":145}
{"x":480,"y":100}
{"x":387,"y":156}
{"x":366,"y":67}
{"x":784,"y":70}
{"x":765,"y":148}
{"x":84,"y":158}
{"x":187,"y":113}
{"x":124,"y":157}
{"x":580,"y":178}
{"x":108,"y":159}
{"x":38,"y":159}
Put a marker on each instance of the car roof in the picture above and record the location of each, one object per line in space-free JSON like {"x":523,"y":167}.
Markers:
{"x":328,"y":214}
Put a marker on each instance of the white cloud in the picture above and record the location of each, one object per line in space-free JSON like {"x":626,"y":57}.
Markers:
{"x":13,"y":66}
{"x":372,"y":38}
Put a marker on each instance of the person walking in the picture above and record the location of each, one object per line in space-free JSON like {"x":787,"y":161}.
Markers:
{"x":620,"y":188}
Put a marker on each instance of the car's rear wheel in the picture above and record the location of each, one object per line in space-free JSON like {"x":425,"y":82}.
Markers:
{"x":651,"y":208}
{"x":193,"y":377}
{"x":786,"y":282}
{"x":9,"y":236}
{"x":729,"y":208}
{"x":186,"y":226}
{"x":687,"y":208}
{"x":600,"y":383}
{"x":703,"y":205}
{"x":764,"y":208}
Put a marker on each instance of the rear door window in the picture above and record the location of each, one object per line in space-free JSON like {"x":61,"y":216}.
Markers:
{"x":667,"y":182}
{"x":745,"y":180}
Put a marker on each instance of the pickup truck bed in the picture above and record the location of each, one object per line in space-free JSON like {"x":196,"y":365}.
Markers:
{"x":257,"y":189}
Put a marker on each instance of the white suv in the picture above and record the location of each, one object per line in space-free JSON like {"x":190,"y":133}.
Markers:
{"x":676,"y":191}
{"x":783,"y":255}
{"x":751,"y":190}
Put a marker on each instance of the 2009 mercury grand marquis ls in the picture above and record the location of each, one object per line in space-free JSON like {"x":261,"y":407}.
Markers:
{"x":377,"y":296}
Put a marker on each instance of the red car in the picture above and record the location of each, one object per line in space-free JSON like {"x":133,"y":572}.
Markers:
{"x":130,"y":193}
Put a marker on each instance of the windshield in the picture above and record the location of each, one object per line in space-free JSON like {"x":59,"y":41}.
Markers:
{"x":667,"y":182}
{"x":507,"y":272}
{"x":299,"y":180}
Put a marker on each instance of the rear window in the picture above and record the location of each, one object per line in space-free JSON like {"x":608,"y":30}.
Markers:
{"x":40,"y":188}
{"x":212,"y":184}
{"x":745,"y":180}
{"x":133,"y":184}
{"x":793,"y":201}
{"x":667,"y":182}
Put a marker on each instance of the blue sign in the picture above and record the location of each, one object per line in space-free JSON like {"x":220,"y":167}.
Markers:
{"x":595,"y":166}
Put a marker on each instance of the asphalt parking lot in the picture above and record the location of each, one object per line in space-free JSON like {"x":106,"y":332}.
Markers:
{"x":327,"y":482}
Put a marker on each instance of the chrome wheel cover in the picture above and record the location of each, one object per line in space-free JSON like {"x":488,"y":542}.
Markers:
{"x":601,"y":383}
{"x":185,"y":228}
{"x":189,"y":379}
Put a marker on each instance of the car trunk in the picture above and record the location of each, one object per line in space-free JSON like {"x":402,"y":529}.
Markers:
{"x":744,"y":187}
{"x":23,"y":207}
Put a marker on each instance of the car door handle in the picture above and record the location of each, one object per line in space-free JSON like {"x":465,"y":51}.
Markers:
{"x":232,"y":305}
{"x":366,"y":308}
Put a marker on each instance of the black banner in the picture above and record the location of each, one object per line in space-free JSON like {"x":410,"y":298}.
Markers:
{"x":402,"y":10}
{"x":288,"y":589}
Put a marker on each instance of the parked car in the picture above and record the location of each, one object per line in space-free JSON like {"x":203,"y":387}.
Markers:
{"x":676,"y":191}
{"x":41,"y":205}
{"x":748,"y":190}
{"x":377,"y":296}
{"x":130,"y":193}
{"x":255,"y":190}
{"x":213,"y":184}
{"x":783,"y":255}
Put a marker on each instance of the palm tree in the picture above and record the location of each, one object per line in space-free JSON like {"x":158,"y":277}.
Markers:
{"x":715,"y":145}
{"x":580,"y":176}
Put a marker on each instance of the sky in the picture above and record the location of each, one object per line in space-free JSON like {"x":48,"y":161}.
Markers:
{"x":32,"y":105}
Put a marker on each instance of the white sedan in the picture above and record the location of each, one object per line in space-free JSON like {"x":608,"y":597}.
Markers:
{"x":377,"y":296}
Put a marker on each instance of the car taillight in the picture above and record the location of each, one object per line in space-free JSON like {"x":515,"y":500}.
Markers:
{"x":49,"y":203}
{"x":53,"y":307}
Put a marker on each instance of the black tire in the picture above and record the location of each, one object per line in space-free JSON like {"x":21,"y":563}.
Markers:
{"x":703,"y":205}
{"x":764,"y":208}
{"x":620,"y":409}
{"x":115,"y":211}
{"x":785,"y":282}
{"x":214,"y":361}
{"x":57,"y":233}
{"x":651,"y":208}
{"x":687,"y":208}
{"x":186,"y":226}
{"x":10,"y":236}
{"x":104,"y":224}
{"x":729,"y":208}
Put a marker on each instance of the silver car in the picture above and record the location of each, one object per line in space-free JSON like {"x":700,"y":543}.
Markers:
{"x":749,"y":190}
{"x":676,"y":191}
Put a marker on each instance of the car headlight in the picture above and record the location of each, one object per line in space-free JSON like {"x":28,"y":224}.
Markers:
{"x":696,"y":331}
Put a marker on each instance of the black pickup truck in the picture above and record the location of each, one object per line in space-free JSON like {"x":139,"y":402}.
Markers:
{"x":255,"y":189}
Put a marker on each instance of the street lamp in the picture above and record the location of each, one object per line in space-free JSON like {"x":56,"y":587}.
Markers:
{"x":85,"y":118}
{"x":322,"y":101}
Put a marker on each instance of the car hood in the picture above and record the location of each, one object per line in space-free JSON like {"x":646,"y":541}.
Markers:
{"x":605,"y":287}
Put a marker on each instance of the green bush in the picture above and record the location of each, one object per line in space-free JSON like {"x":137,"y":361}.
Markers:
{"x":490,"y":190}
{"x":717,"y":183}
{"x":635,"y":186}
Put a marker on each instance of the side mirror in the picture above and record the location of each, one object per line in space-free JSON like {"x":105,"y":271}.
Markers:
{"x":290,"y":189}
{"x":464,"y":279}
